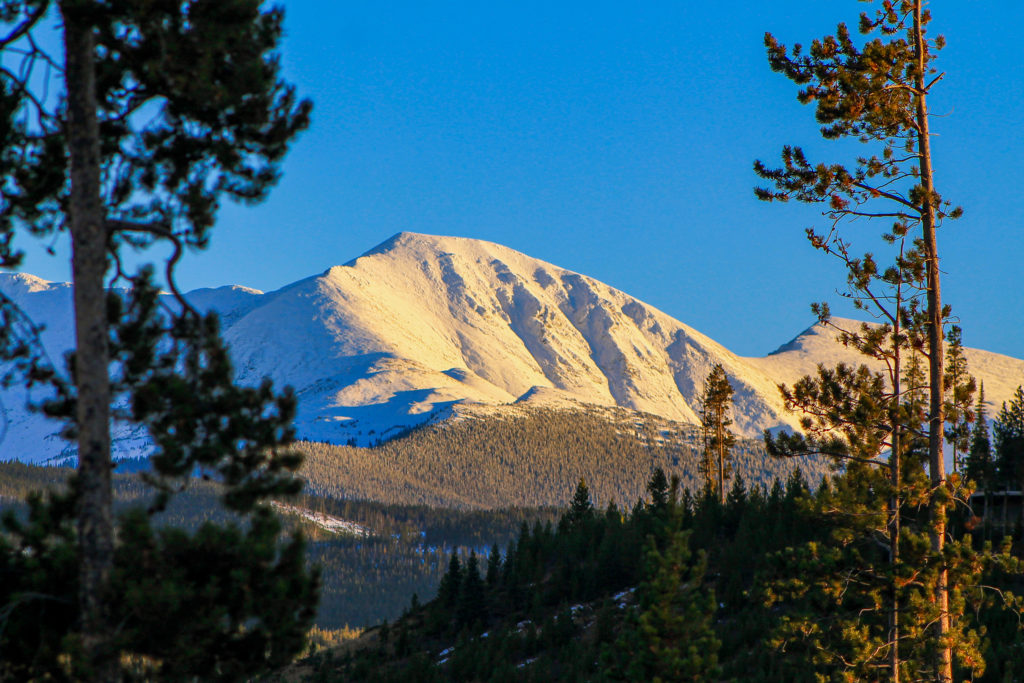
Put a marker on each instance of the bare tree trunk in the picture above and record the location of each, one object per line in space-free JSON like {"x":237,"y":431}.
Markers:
{"x":936,"y":419}
{"x":89,"y":241}
{"x":720,"y":429}
{"x":896,"y":477}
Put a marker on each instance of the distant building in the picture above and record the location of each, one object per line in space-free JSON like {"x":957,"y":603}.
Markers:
{"x":1007,"y":506}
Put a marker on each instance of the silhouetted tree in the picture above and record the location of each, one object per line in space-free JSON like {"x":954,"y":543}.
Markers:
{"x":162,"y":110}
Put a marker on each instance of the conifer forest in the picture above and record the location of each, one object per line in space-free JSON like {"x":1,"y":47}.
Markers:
{"x":882,"y":541}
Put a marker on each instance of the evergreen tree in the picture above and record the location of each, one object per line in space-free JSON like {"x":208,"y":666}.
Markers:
{"x":980,"y":466}
{"x":581,"y":509}
{"x":1008,"y":430}
{"x":716,"y":403}
{"x":164,"y":109}
{"x":471,"y":606}
{"x":451,"y":584}
{"x":960,"y":387}
{"x":493,"y":566}
{"x":658,"y":489}
{"x":875,"y":91}
{"x":671,"y":637}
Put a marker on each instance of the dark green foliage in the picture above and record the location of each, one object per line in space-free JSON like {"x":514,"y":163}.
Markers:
{"x":889,"y":426}
{"x":670,"y":635}
{"x":227,"y":600}
{"x":658,"y":489}
{"x":451,"y":584}
{"x":678,"y":562}
{"x":980,"y":466}
{"x":1008,"y":433}
{"x":163,"y":109}
{"x":569,"y":593}
{"x":191,"y":109}
{"x":223,"y":600}
{"x":581,"y":510}
{"x":471,"y":606}
{"x":960,"y":388}
{"x":493,"y":566}
{"x":180,"y":387}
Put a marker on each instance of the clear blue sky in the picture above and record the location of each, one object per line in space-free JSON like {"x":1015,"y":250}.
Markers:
{"x":616,"y":141}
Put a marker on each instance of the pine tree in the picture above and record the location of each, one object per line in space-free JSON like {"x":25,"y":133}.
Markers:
{"x":658,"y":489}
{"x":980,"y":466}
{"x":493,"y":567}
{"x":471,"y":606}
{"x":876,"y":92}
{"x":671,"y":637}
{"x":960,"y":387}
{"x":581,"y":510}
{"x":164,"y":110}
{"x":716,"y":402}
{"x":1008,"y":433}
{"x":451,"y":583}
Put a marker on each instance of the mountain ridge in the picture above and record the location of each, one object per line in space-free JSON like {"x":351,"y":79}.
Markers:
{"x":419,"y":324}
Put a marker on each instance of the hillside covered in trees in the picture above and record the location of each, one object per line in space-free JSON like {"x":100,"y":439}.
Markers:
{"x":681,"y":587}
{"x":529,"y":457}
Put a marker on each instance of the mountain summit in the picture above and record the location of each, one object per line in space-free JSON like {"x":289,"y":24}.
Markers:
{"x":421,"y":323}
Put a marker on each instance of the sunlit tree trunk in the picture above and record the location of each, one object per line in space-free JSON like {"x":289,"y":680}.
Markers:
{"x":936,"y":364}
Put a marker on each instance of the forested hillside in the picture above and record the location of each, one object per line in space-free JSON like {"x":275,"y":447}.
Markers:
{"x":364,"y":579}
{"x":452,"y":487}
{"x":681,"y":587}
{"x":528,"y":457}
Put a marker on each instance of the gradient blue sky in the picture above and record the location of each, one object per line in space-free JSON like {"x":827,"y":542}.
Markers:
{"x":616,"y":141}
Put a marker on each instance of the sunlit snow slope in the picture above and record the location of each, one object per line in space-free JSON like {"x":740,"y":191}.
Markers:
{"x":421,"y":323}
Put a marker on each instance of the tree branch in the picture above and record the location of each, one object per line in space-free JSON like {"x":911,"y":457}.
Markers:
{"x":887,"y":195}
{"x":162,"y":230}
{"x":25,"y":26}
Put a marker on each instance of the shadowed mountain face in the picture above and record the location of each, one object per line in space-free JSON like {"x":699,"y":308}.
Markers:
{"x":420,"y":324}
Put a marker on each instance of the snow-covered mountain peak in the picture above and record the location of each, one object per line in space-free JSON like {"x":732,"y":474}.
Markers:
{"x":17,"y":285}
{"x":421,"y":324}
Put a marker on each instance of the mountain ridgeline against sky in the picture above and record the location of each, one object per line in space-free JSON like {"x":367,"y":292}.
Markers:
{"x":421,"y":324}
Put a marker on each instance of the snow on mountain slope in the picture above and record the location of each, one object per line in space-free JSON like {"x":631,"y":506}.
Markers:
{"x":28,"y":437}
{"x":420,"y":324}
{"x":1000,"y":374}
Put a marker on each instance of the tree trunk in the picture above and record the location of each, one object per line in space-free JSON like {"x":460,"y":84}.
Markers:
{"x":720,"y":430}
{"x":936,"y":419}
{"x":895,"y":504}
{"x":88,"y":261}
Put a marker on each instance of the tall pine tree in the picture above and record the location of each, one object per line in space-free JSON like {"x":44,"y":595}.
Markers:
{"x":715,"y":406}
{"x":960,"y":388}
{"x":875,"y":91}
{"x":979,"y":465}
{"x":160,"y":111}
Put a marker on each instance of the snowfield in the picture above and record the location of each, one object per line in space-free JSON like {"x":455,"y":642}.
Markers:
{"x":421,"y":324}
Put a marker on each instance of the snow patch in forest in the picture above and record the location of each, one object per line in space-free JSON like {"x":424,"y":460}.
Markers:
{"x":335,"y":525}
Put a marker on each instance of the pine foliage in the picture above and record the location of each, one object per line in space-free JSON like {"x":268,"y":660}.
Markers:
{"x":715,"y":406}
